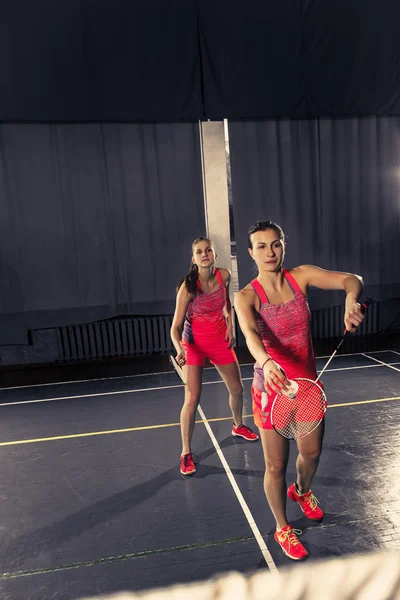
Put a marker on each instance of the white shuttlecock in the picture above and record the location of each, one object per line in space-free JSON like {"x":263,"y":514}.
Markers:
{"x":292,"y":390}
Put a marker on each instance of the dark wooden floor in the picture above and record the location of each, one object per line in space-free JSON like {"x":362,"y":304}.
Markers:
{"x":93,"y":501}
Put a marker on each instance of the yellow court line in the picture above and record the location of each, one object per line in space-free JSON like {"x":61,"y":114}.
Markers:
{"x":364,"y":402}
{"x":163,"y":425}
{"x":108,"y":432}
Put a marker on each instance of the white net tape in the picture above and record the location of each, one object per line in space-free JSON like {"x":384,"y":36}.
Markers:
{"x":365,"y":577}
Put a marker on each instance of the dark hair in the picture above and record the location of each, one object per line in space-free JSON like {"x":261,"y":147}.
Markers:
{"x":190,"y":279}
{"x":263,"y":226}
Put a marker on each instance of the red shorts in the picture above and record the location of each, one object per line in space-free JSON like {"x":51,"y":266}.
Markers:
{"x":216,"y":351}
{"x":262,"y":404}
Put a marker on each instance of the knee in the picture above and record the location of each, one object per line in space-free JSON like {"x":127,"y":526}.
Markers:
{"x":311,"y":455}
{"x":235,"y":387}
{"x":192,"y":398}
{"x":275,"y":470}
{"x":236,"y":390}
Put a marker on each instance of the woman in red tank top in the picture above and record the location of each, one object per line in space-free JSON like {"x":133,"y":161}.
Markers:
{"x":202,"y":328}
{"x":274,"y":316}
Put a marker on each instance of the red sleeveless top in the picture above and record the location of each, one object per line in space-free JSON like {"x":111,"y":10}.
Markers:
{"x":285,"y":332}
{"x":204,"y":319}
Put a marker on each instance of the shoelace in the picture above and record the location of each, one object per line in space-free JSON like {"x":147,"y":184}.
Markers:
{"x":185,"y":459}
{"x":290,"y":536}
{"x":243,"y":427}
{"x":312,"y":501}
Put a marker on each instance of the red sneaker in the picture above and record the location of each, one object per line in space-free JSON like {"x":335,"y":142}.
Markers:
{"x":290,"y":543}
{"x":244,"y":432}
{"x":187,"y":465}
{"x":307,"y":502}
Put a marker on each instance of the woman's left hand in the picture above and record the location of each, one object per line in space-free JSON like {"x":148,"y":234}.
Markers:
{"x":352,"y":316}
{"x":229,"y":337}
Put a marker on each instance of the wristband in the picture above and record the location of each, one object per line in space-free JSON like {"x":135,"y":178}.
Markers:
{"x":265,"y":362}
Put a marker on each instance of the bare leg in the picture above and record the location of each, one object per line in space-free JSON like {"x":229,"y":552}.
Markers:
{"x":231,"y":377}
{"x":276,"y":454}
{"x":188,"y":412}
{"x":307,"y":461}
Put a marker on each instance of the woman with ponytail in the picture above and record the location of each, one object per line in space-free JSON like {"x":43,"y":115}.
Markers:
{"x":202,"y":328}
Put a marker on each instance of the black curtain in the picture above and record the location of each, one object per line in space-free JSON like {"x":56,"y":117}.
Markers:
{"x":352,"y":57}
{"x":99,"y":60}
{"x":333,"y":185}
{"x":182,"y":60}
{"x":95,"y":221}
{"x":300,"y":58}
{"x":252,"y":58}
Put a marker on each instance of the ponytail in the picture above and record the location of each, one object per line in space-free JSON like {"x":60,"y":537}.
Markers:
{"x":190,"y":280}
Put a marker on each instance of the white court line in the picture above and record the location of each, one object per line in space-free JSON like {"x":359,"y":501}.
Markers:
{"x":382,"y":363}
{"x":250,"y":519}
{"x":342,"y":369}
{"x":166,"y":387}
{"x":357,"y":353}
{"x":154,"y":389}
{"x":34,"y":385}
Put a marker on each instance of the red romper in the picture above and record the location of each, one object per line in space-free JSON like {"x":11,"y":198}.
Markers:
{"x":204,"y":329}
{"x":286,"y":335}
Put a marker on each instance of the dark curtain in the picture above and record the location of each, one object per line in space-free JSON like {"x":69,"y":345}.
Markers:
{"x":95,"y":221}
{"x":352,"y":57}
{"x":300,"y":58}
{"x":99,"y":60}
{"x":252,"y":58}
{"x":183,"y":60}
{"x":333,"y":185}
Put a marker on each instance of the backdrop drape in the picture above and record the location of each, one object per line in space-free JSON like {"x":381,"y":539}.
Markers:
{"x":95,"y":220}
{"x":334,"y":187}
{"x":181,"y":60}
{"x":265,"y":59}
{"x":99,"y":60}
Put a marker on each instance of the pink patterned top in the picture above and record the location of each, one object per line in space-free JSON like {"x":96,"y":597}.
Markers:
{"x":204,"y":318}
{"x":286,"y":334}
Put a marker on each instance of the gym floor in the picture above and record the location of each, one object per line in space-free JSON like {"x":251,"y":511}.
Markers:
{"x":93,"y":501}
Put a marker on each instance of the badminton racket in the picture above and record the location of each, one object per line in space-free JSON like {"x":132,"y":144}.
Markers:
{"x":299,"y":409}
{"x":178,"y":369}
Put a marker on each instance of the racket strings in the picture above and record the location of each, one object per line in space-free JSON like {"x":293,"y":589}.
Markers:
{"x":296,"y":416}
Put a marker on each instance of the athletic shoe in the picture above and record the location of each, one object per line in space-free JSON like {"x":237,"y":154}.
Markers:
{"x":290,"y":543}
{"x":244,"y":432}
{"x":307,"y":502}
{"x":187,"y":465}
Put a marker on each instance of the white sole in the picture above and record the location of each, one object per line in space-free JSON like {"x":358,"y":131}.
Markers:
{"x":291,"y":557}
{"x":244,"y":438}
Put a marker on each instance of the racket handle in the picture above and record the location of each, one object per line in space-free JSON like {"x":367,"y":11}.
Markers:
{"x":365,"y":303}
{"x":364,"y":307}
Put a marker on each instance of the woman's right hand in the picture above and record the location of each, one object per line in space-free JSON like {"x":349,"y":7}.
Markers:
{"x":274,"y":378}
{"x":181,"y":358}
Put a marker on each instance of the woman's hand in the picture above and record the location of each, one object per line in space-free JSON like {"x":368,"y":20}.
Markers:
{"x":353,"y":315}
{"x":274,"y":378}
{"x":229,"y":337}
{"x":181,"y":357}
